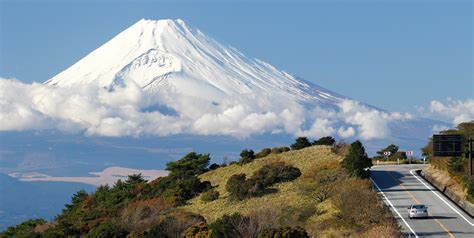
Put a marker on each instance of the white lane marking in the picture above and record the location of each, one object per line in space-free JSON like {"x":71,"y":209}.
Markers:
{"x":442,"y":199}
{"x":386,"y":198}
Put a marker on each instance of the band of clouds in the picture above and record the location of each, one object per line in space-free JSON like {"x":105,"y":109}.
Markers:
{"x":119,"y":112}
{"x":456,"y":110}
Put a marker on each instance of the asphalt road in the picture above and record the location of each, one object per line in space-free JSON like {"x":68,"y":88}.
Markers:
{"x":400,"y":187}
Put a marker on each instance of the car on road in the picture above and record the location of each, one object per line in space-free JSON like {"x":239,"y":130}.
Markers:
{"x":417,"y":210}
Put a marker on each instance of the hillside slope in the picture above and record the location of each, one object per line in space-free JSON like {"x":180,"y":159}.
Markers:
{"x":301,"y":202}
{"x":319,"y":200}
{"x":288,"y":194}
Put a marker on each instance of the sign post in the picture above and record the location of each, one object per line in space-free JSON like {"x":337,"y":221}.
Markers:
{"x":451,"y":145}
{"x":409,"y":154}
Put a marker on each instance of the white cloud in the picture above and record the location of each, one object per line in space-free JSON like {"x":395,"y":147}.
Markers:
{"x":123,"y":112}
{"x":371,"y":123}
{"x":456,"y":110}
{"x":346,"y":132}
{"x":320,"y":128}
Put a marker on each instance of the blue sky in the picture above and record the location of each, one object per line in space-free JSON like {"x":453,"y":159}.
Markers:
{"x":392,"y":54}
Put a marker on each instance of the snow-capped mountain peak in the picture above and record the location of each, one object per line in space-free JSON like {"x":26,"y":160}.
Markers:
{"x":163,"y":56}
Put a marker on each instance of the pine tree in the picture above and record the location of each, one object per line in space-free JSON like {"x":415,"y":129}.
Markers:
{"x":357,"y":163}
{"x":300,"y":143}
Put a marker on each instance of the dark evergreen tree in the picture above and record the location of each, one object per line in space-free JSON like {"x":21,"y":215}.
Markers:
{"x":300,"y":143}
{"x":246,"y":156}
{"x":357,"y":163}
{"x":135,"y":179}
{"x":327,"y":140}
{"x":189,"y":165}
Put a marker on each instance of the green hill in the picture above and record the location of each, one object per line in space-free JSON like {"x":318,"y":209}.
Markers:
{"x":298,"y":193}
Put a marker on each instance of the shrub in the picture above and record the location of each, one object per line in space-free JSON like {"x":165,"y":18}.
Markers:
{"x":214,"y":166}
{"x":246,"y":156}
{"x":286,"y":232}
{"x":199,"y":230}
{"x":245,"y":160}
{"x":470,"y":189}
{"x":139,"y":215}
{"x":210,"y":195}
{"x":359,"y":205}
{"x":234,"y":225}
{"x":240,"y":188}
{"x":263,"y":153}
{"x":300,"y":143}
{"x":278,"y":150}
{"x":320,"y":182}
{"x":341,"y":148}
{"x":107,"y":229}
{"x":276,"y":173}
{"x":455,"y":165}
{"x":325,"y":141}
{"x":174,"y":224}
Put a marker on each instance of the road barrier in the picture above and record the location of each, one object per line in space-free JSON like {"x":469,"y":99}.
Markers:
{"x":448,"y":192}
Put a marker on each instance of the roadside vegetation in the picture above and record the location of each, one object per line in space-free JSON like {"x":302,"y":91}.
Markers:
{"x":314,"y":189}
{"x":453,"y":170}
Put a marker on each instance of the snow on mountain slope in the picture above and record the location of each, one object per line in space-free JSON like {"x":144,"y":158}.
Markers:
{"x":169,"y":54}
{"x":163,"y":77}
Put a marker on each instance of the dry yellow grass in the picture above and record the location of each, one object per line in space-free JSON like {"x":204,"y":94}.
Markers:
{"x":288,"y":195}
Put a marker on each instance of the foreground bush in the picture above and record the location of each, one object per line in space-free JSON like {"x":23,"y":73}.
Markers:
{"x":321,"y":182}
{"x":278,"y":150}
{"x":470,"y":189}
{"x":286,"y":232}
{"x":359,"y":206}
{"x":263,"y":153}
{"x":240,"y":188}
{"x":276,"y":173}
{"x":210,"y":195}
{"x":199,"y":230}
{"x":246,"y":156}
{"x":234,"y":225}
{"x":173,"y":224}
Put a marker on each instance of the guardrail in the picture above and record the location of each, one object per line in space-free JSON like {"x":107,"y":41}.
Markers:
{"x":461,"y":202}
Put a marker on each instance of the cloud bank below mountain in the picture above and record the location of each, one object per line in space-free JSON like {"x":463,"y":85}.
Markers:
{"x":127,"y":110}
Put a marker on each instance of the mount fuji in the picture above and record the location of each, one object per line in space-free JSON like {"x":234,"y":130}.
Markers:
{"x":168,"y":55}
{"x":212,"y":89}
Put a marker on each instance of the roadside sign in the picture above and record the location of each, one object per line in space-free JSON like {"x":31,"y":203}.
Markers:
{"x":447,"y":145}
{"x":387,"y":153}
{"x":409,"y":152}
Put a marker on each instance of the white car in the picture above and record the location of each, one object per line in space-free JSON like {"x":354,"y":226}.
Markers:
{"x":418,"y":210}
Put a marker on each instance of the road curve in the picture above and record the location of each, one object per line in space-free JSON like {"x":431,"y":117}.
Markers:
{"x":400,"y":187}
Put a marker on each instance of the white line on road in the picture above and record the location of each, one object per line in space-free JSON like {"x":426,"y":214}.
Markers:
{"x":390,"y":203}
{"x":442,"y":199}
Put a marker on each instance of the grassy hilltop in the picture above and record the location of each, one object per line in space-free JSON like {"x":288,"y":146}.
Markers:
{"x":304,"y":192}
{"x":288,"y":195}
